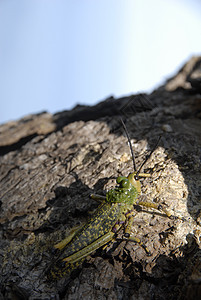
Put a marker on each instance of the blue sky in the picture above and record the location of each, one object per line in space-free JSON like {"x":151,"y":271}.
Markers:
{"x":57,"y":53}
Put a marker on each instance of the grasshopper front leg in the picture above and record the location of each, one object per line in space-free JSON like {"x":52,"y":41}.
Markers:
{"x":159,"y":208}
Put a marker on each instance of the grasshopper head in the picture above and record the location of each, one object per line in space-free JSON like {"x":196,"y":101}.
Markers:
{"x":131,"y":181}
{"x":134,"y":180}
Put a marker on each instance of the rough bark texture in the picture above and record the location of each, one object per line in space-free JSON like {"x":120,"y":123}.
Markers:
{"x":51,"y":163}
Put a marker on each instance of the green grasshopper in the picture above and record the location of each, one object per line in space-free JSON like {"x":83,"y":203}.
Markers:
{"x":115,"y":212}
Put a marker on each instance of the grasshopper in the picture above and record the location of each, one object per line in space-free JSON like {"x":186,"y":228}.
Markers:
{"x":114,"y":212}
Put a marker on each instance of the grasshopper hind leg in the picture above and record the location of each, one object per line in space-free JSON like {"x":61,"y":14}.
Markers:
{"x":66,"y":241}
{"x":67,"y":264}
{"x":75,"y":229}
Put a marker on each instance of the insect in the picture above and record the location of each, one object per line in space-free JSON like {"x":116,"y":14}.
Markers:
{"x":114,"y":212}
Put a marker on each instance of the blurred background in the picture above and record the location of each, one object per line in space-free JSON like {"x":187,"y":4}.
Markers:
{"x":55,"y":54}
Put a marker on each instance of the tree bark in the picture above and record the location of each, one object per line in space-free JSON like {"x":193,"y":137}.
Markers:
{"x":50,"y":164}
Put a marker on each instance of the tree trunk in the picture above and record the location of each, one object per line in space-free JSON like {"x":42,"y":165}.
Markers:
{"x":50,"y":164}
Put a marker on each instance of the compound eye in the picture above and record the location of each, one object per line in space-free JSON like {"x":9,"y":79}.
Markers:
{"x":125,"y":183}
{"x":136,"y":177}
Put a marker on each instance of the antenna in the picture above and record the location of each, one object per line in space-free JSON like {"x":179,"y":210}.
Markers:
{"x":132,"y":153}
{"x":146,"y":159}
{"x":129,"y":140}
